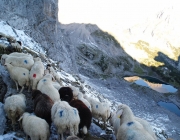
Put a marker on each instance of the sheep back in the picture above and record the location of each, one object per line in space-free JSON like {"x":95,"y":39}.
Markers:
{"x":64,"y":116}
{"x":133,"y":130}
{"x":23,"y":61}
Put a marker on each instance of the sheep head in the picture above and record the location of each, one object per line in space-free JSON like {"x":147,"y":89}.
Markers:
{"x":36,"y":93}
{"x":120,"y":109}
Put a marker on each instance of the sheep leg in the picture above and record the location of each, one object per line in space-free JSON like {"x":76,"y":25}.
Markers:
{"x":35,"y":138}
{"x":71,"y":131}
{"x":20,"y":124}
{"x":34,"y":84}
{"x":13,"y":124}
{"x":62,"y":138}
{"x":26,"y":137}
{"x":22,"y":89}
{"x":76,"y":129}
{"x":16,"y":85}
{"x":104,"y":125}
{"x":29,"y":88}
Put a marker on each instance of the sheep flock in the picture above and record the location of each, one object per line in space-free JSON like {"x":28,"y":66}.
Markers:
{"x":61,"y":105}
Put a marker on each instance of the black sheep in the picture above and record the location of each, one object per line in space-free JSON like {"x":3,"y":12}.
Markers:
{"x":42,"y":105}
{"x":66,"y":94}
{"x":84,"y":114}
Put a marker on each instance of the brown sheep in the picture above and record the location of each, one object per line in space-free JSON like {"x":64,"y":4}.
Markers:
{"x":42,"y":105}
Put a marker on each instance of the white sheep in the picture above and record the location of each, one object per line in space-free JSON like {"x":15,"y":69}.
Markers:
{"x":35,"y":127}
{"x":45,"y":85}
{"x":23,"y":61}
{"x":130,"y":128}
{"x":65,"y":118}
{"x":115,"y":122}
{"x":80,"y":97}
{"x":19,"y":75}
{"x":17,"y":45}
{"x":100,"y":110}
{"x":54,"y":73}
{"x":14,"y":107}
{"x":75,"y":91}
{"x":36,"y":73}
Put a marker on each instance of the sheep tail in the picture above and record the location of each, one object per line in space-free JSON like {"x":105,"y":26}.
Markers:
{"x":84,"y":130}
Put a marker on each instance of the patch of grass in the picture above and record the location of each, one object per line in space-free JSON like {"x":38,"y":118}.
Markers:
{"x":138,"y":69}
{"x":102,"y":63}
{"x":167,"y":94}
{"x":105,"y":36}
{"x":142,"y":45}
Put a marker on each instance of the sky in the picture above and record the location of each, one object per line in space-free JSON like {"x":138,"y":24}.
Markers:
{"x":109,"y":15}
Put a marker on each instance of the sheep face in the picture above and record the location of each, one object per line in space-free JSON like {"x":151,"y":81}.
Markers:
{"x":120,"y":109}
{"x":48,"y":66}
{"x":3,"y":57}
{"x":49,"y":76}
{"x":66,"y":94}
